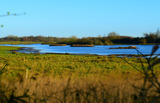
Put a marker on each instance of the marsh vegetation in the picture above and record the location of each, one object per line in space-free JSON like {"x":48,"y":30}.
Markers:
{"x":60,"y":78}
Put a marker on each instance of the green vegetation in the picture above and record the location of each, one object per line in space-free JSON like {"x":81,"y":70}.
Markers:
{"x":57,"y":45}
{"x":63,"y":78}
{"x":19,"y":42}
{"x":81,"y":45}
{"x":55,"y":64}
{"x":112,"y":38}
{"x":129,"y":47}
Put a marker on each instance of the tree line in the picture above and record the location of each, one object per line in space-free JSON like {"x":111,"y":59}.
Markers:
{"x":111,"y":38}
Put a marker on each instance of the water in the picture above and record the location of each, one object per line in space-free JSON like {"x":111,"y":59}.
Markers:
{"x":99,"y":49}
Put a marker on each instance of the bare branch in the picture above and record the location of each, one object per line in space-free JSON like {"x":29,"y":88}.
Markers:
{"x":8,"y":14}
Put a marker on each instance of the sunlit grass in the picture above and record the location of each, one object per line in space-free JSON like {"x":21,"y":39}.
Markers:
{"x":18,"y":42}
{"x":64,"y":78}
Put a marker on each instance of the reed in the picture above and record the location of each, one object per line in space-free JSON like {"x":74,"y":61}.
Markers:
{"x":60,"y":78}
{"x":129,"y":47}
{"x":82,"y":45}
{"x":58,"y":45}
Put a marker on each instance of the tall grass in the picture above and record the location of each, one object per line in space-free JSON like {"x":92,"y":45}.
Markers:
{"x":72,"y":90}
{"x":35,"y":78}
{"x":150,"y":76}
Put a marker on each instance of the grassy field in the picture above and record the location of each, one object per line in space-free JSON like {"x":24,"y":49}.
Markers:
{"x":18,"y":42}
{"x":60,"y":78}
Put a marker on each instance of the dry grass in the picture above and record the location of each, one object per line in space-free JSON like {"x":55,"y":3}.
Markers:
{"x":34,"y":78}
{"x":111,"y":88}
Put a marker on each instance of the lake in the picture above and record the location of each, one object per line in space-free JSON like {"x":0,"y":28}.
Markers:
{"x":99,"y":49}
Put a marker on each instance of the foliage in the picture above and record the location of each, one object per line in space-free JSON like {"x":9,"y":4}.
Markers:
{"x":88,"y":40}
{"x":151,"y":37}
{"x":113,"y":35}
{"x":112,"y":38}
{"x":143,"y":41}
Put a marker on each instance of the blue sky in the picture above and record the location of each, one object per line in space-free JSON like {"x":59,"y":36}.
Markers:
{"x":82,"y":18}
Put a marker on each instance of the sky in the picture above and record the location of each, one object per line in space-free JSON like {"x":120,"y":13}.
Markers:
{"x":81,"y":18}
